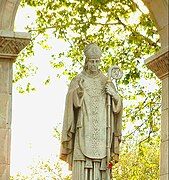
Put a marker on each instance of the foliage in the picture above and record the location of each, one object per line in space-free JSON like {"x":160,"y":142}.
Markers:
{"x":120,"y":28}
{"x":139,"y":162}
{"x":44,"y":170}
{"x":126,"y":35}
{"x":136,"y":163}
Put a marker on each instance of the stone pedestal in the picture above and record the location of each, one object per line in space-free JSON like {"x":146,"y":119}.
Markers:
{"x":10,"y":45}
{"x":159,"y":64}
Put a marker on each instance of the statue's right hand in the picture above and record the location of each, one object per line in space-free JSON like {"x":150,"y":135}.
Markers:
{"x":80,"y":83}
{"x":80,"y":89}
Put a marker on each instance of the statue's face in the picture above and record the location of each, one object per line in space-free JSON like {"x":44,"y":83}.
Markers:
{"x":92,"y":65}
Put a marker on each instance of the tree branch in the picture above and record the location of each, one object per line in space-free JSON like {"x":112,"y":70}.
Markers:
{"x":136,"y":33}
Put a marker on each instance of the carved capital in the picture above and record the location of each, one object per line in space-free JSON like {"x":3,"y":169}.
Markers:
{"x":12,"y":43}
{"x":159,"y":64}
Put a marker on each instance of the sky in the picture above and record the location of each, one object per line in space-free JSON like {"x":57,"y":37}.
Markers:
{"x":35,"y":115}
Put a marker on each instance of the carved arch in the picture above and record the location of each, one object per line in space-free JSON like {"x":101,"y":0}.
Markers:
{"x":8,"y":9}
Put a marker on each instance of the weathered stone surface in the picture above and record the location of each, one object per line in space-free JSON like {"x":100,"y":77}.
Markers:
{"x":7,"y":33}
{"x":95,"y":122}
{"x":165,"y":125}
{"x":10,"y":47}
{"x":5,"y":110}
{"x":12,"y":34}
{"x":4,"y":137}
{"x":4,"y":171}
{"x":164,"y":36}
{"x":164,"y":160}
{"x":11,"y":44}
{"x":8,"y":147}
{"x":159,"y":63}
{"x":8,"y":10}
{"x":164,"y":177}
{"x":165,"y":93}
{"x":5,"y":76}
{"x":22,"y":35}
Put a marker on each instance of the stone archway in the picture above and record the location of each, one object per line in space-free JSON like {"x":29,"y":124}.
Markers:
{"x":11,"y":43}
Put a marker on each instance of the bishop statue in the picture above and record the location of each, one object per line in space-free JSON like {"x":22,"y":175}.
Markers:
{"x":92,"y":121}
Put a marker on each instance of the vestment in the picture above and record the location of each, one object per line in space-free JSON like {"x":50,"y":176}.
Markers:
{"x":84,"y":135}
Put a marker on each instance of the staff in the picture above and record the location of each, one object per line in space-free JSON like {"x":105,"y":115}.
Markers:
{"x":114,"y":72}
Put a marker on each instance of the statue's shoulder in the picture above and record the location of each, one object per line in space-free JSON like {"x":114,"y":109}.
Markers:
{"x":75,"y":80}
{"x":103,"y":77}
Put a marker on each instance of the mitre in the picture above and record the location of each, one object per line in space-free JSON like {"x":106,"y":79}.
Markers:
{"x":92,"y":51}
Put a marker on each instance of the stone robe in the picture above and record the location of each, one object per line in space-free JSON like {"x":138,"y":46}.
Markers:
{"x":84,"y":135}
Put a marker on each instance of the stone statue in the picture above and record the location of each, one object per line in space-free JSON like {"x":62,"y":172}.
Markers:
{"x":90,"y":144}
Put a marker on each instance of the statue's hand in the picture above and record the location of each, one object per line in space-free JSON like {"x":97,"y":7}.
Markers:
{"x":111,"y":92}
{"x":80,"y":90}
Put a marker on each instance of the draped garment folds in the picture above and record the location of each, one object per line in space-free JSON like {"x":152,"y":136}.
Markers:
{"x":84,"y":134}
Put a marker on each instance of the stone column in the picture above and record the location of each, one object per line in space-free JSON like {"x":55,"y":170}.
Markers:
{"x":159,"y":64}
{"x":10,"y":45}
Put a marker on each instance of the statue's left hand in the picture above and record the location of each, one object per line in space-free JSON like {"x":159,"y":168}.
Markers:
{"x":109,"y":90}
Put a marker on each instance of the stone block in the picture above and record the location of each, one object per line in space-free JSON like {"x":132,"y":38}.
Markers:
{"x":5,"y":110}
{"x":164,"y":160}
{"x":11,"y":47}
{"x":5,"y":76}
{"x":5,"y":147}
{"x":12,"y":34}
{"x":6,"y":33}
{"x":22,"y":35}
{"x":165,"y":93}
{"x":158,"y":63}
{"x":164,"y":125}
{"x":4,"y":172}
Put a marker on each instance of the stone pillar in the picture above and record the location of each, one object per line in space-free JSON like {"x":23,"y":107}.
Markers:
{"x":159,"y":64}
{"x":10,"y":45}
